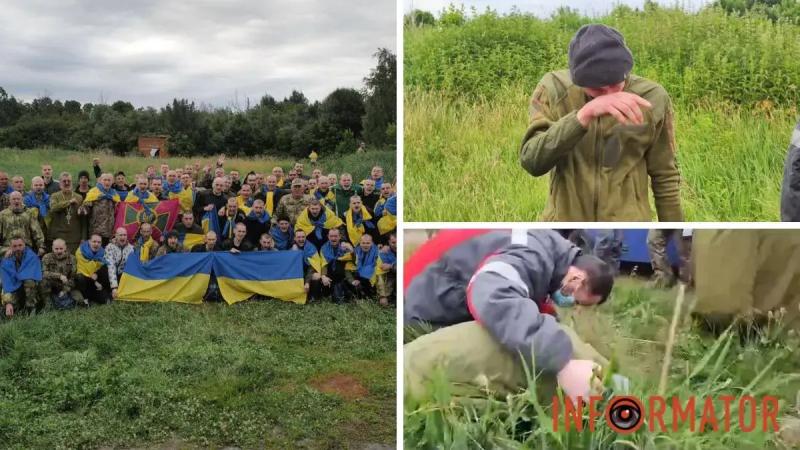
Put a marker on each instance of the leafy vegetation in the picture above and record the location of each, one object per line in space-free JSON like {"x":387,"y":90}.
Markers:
{"x":290,"y":127}
{"x":734,"y":80}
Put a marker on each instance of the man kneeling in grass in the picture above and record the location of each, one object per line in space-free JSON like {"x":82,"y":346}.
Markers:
{"x":486,"y":293}
{"x":601,"y":132}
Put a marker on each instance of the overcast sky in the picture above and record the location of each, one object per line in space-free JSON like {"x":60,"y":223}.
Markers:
{"x":150,"y":51}
{"x":544,"y":8}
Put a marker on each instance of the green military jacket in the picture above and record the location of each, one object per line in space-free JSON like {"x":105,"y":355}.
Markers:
{"x":600,"y":173}
{"x":20,"y":222}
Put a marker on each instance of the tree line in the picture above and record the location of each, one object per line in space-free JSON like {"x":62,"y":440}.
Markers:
{"x":292,"y":126}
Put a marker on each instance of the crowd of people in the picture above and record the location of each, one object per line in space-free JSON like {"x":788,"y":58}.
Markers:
{"x":59,"y":242}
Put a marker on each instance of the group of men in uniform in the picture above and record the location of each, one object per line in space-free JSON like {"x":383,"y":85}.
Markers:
{"x":345,"y":229}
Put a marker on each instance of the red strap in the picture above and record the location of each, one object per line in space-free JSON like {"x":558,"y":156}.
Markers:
{"x":433,"y":249}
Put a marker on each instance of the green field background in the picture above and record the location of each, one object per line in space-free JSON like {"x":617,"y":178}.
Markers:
{"x":734,"y":82}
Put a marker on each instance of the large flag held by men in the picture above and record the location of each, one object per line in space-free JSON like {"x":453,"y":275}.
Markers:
{"x":161,"y":215}
{"x":184,"y":277}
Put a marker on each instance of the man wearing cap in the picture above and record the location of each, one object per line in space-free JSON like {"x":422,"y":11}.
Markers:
{"x":601,"y":132}
{"x":295,"y":203}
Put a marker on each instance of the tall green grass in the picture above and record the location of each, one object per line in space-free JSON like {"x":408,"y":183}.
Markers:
{"x":632,"y":328}
{"x":28,"y":163}
{"x":734,"y":82}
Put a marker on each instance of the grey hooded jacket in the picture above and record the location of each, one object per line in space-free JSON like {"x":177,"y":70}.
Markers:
{"x":496,"y":278}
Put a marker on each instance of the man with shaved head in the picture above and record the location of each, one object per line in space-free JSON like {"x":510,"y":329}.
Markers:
{"x":4,"y":186}
{"x":270,"y":194}
{"x":17,"y":221}
{"x":116,"y":254}
{"x":101,"y":201}
{"x":59,"y":269}
{"x":210,"y":199}
{"x":37,"y":201}
{"x":210,"y":244}
{"x":18,"y":183}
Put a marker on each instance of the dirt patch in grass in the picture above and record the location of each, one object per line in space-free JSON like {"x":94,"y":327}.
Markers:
{"x":346,"y":386}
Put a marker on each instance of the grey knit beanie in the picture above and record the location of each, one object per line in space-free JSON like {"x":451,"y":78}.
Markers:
{"x":598,"y":57}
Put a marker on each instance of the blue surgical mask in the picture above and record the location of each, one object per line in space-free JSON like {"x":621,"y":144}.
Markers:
{"x":562,"y":300}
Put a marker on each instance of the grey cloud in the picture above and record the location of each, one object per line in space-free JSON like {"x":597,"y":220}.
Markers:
{"x":148,"y":52}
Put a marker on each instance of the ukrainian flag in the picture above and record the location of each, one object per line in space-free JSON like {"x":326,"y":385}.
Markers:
{"x":271,"y":274}
{"x":175,"y":277}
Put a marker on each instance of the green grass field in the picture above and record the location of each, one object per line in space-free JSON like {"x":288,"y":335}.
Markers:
{"x":734,"y":83}
{"x":28,"y":163}
{"x":632,"y":329}
{"x":261,"y":374}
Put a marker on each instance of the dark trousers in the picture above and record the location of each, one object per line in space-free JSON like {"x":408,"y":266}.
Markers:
{"x":89,"y":290}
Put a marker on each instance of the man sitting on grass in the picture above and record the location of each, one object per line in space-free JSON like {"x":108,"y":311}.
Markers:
{"x":366,"y":257}
{"x":21,"y":274}
{"x":488,"y":288}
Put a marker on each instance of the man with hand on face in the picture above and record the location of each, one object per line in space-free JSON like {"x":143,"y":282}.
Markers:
{"x":21,"y":274}
{"x":601,"y":132}
{"x":499,"y":281}
{"x":238,"y":243}
{"x":17,"y":221}
{"x":116,"y":255}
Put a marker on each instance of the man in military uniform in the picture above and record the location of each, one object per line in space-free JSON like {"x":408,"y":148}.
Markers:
{"x":59,"y":269}
{"x":65,"y":223}
{"x":601,"y":133}
{"x":101,"y":211}
{"x":293,"y":204}
{"x":21,"y":274}
{"x":663,"y":276}
{"x":16,"y":220}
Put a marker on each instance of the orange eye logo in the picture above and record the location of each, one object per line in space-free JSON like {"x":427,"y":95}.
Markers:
{"x":624,"y":414}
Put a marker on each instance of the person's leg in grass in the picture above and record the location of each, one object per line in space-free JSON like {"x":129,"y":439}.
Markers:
{"x":657,"y":241}
{"x":385,"y":286}
{"x":476,"y":365}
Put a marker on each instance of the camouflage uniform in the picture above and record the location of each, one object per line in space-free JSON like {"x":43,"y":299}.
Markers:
{"x":385,"y":284}
{"x":52,"y":269}
{"x":25,"y":298}
{"x":101,"y":217}
{"x":20,"y":222}
{"x":657,"y":241}
{"x":65,"y":223}
{"x":165,"y":250}
{"x":291,"y":207}
{"x":4,"y":203}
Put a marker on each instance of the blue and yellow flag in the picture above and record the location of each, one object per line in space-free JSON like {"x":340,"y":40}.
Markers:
{"x":366,"y":262}
{"x":174,"y":277}
{"x":357,"y":226}
{"x":29,"y":269}
{"x":88,"y":261}
{"x":98,"y":192}
{"x":210,"y":222}
{"x":185,"y":197}
{"x":271,"y":274}
{"x":388,"y":221}
{"x":189,"y":240}
{"x":326,"y":221}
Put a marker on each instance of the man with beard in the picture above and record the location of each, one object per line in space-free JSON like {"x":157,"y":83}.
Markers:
{"x":282,"y":234}
{"x":315,"y":221}
{"x":37,"y":201}
{"x":157,"y":189}
{"x":101,"y":201}
{"x":344,"y":191}
{"x":171,"y":244}
{"x":210,"y":199}
{"x":59,"y":269}
{"x":257,"y":222}
{"x":295,"y":203}
{"x":21,"y":274}
{"x":144,"y":242}
{"x":386,"y":280}
{"x":333,"y":277}
{"x":271,"y":194}
{"x":116,"y":255}
{"x":266,"y":243}
{"x":238,"y":243}
{"x":92,"y":279}
{"x":51,"y":186}
{"x":16,"y":221}
{"x":65,"y":223}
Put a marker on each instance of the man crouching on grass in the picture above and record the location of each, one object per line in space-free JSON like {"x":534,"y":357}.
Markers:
{"x":601,"y":132}
{"x":485,"y":291}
